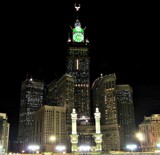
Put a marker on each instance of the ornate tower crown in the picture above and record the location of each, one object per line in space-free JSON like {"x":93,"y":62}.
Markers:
{"x":77,"y":23}
{"x":77,"y":31}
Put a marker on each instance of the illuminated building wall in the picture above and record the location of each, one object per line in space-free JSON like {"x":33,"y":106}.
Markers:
{"x":104,"y":98}
{"x":4,"y":133}
{"x":126,"y":115}
{"x":150,"y":129}
{"x":61,"y":93}
{"x":103,"y":94}
{"x":49,"y":121}
{"x":32,"y":96}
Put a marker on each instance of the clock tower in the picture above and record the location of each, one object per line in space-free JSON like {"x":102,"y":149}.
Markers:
{"x":78,"y":65}
{"x":78,"y":32}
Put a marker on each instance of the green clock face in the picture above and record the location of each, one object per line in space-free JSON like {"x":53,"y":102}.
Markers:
{"x":78,"y":37}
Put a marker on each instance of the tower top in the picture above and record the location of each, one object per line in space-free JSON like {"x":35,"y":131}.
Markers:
{"x":77,"y":6}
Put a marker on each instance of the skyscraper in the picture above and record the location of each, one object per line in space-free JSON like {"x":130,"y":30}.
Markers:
{"x":78,"y":65}
{"x":72,"y":91}
{"x":116,"y":105}
{"x":104,"y":98}
{"x":50,"y":121}
{"x":32,"y":96}
{"x":103,"y":90}
{"x":125,"y":108}
{"x":4,"y":133}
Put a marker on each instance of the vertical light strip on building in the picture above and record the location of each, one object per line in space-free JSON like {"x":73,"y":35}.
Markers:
{"x":77,"y":64}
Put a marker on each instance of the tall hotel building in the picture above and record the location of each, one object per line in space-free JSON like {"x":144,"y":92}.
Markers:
{"x":78,"y":65}
{"x":117,"y":112}
{"x":104,"y":98}
{"x":32,"y":96}
{"x":4,"y":133}
{"x":49,"y":129}
{"x":125,"y":109}
{"x":54,"y":118}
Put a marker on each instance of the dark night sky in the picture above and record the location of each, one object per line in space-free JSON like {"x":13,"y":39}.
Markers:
{"x":123,"y":38}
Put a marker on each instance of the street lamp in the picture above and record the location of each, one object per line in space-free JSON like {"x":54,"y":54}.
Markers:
{"x":84,"y":148}
{"x":131,"y":147}
{"x":157,"y":148}
{"x":140,"y":137}
{"x":53,"y":139}
{"x":33,"y":148}
{"x":61,"y":148}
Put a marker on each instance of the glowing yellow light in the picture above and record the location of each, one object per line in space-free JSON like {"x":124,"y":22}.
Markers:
{"x":140,"y":136}
{"x":77,"y":62}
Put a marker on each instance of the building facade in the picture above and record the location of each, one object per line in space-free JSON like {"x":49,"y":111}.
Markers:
{"x":32,"y":97}
{"x":61,"y":93}
{"x":49,"y":128}
{"x":126,"y":115}
{"x":150,"y":130}
{"x":4,"y":133}
{"x":104,"y":98}
{"x":115,"y":103}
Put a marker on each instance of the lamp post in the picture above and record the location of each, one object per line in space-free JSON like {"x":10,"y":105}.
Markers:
{"x":33,"y":148}
{"x":61,"y":149}
{"x":131,"y":147}
{"x":158,"y":147}
{"x":140,"y":137}
{"x":53,"y":139}
{"x":84,"y":149}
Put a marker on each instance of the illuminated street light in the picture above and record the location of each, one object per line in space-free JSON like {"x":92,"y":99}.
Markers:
{"x":60,"y":148}
{"x":2,"y":151}
{"x":131,"y":147}
{"x":23,"y":151}
{"x":53,"y":139}
{"x":33,"y":148}
{"x":140,"y":136}
{"x":84,"y":148}
{"x":158,"y":146}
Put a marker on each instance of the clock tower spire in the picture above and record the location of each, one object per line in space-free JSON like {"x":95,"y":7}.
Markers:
{"x":78,"y":65}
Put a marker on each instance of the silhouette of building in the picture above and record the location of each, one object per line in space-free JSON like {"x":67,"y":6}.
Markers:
{"x":4,"y":133}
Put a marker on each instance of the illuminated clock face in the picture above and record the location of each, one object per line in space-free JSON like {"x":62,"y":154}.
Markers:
{"x":78,"y":37}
